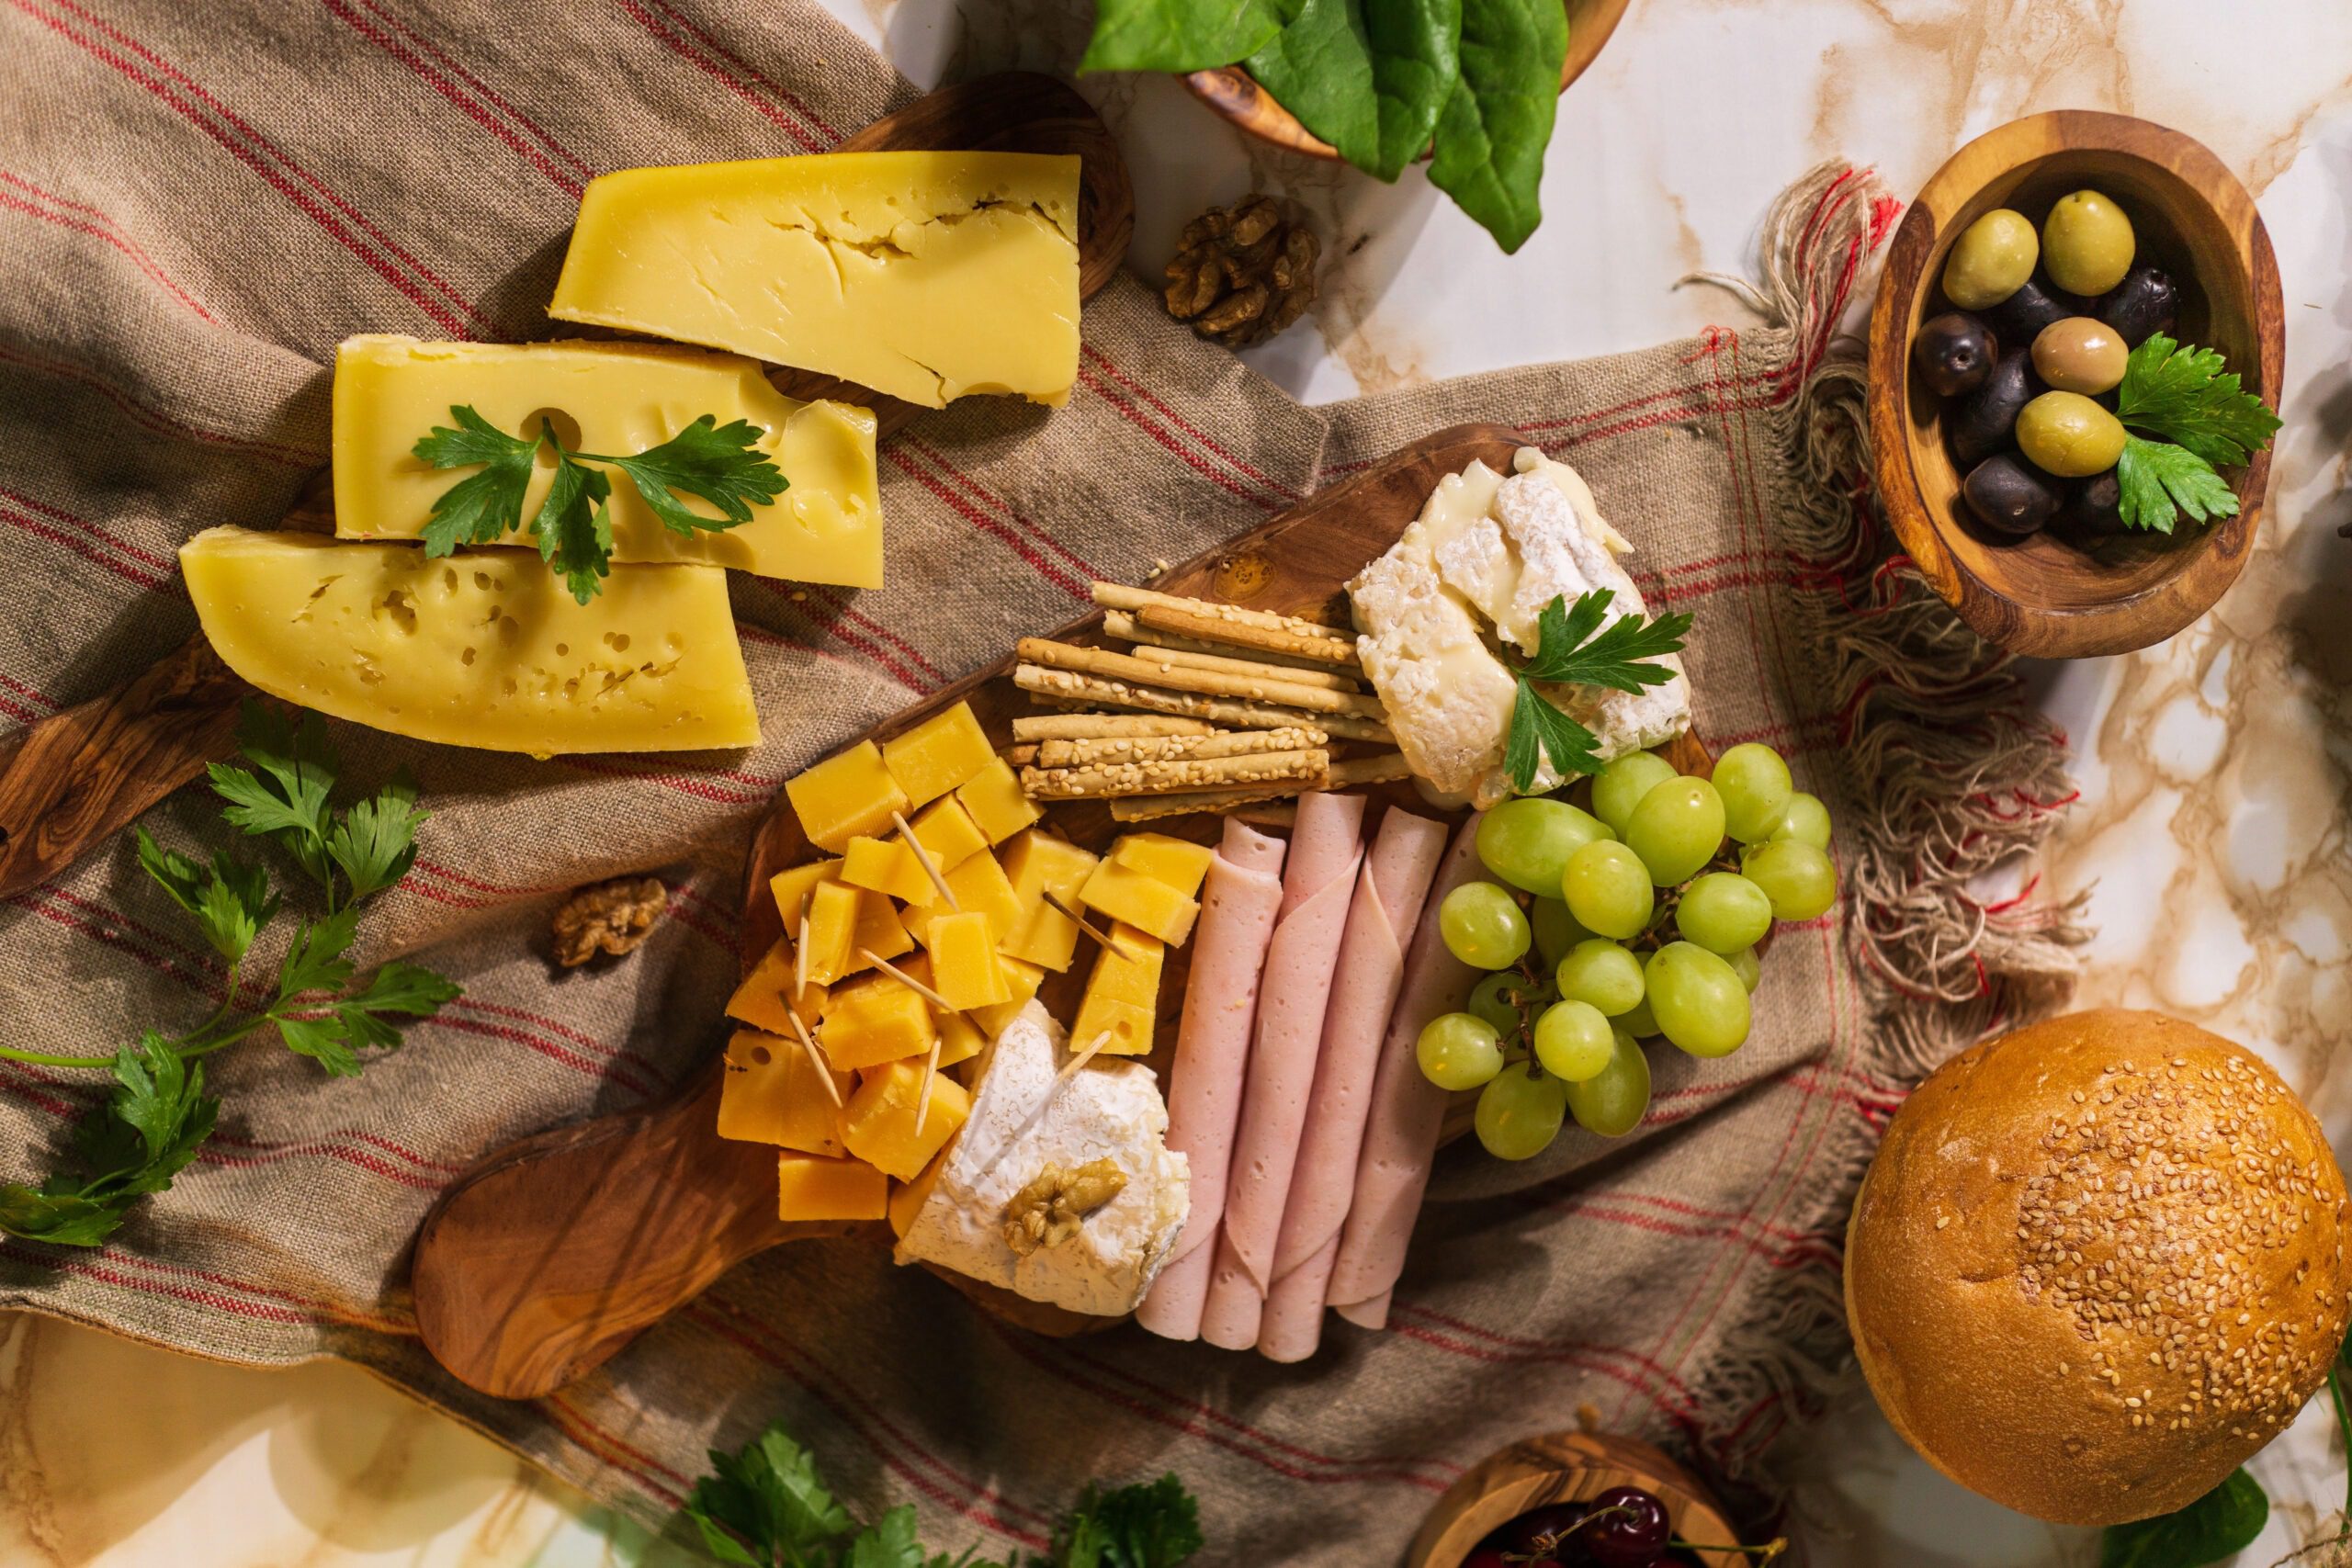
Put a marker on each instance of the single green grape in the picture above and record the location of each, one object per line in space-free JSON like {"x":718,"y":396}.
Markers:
{"x":1805,"y":820}
{"x":1746,"y":964}
{"x":1527,"y":842}
{"x":1611,"y":1101}
{"x":1608,"y":889}
{"x":1483,"y":926}
{"x":1458,"y":1051}
{"x":1573,"y":1040}
{"x":1555,"y":930}
{"x":1676,"y":830}
{"x":1723,"y":912}
{"x":1754,"y":783}
{"x":1505,"y":998}
{"x":1519,"y":1112}
{"x":1600,"y":972}
{"x":1620,"y":785}
{"x":1639,"y":1021}
{"x":1796,"y":877}
{"x":1697,"y":1000}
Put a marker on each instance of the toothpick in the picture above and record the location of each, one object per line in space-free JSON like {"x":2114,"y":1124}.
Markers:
{"x":901,"y":975}
{"x":1083,"y":1057}
{"x":809,"y":1043}
{"x":930,"y":1075}
{"x":1081,"y":922}
{"x":922,"y":858}
{"x":800,"y":954}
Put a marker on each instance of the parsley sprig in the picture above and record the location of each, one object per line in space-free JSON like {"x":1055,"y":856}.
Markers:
{"x":158,"y":1115}
{"x":2205,"y":420}
{"x":573,"y":526}
{"x":765,"y":1506}
{"x":1567,"y":653}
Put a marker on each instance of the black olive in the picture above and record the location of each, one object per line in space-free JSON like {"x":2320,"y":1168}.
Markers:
{"x":1954,"y":352}
{"x":2010,"y":496}
{"x":2018,"y":319}
{"x":2095,"y":510}
{"x":1983,"y":423}
{"x":2146,"y":301}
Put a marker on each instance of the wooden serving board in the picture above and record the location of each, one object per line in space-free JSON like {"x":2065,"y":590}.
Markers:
{"x":82,"y":775}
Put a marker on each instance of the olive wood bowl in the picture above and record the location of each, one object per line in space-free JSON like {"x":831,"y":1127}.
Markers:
{"x":2042,"y":596}
{"x":1563,"y":1467}
{"x":1233,"y":93}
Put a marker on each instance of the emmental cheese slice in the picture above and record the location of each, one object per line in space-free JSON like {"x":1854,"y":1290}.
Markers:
{"x":925,"y":275}
{"x":617,"y":398}
{"x":485,"y":648}
{"x":771,"y":1094}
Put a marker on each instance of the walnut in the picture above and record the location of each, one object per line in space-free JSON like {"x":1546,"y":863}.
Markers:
{"x":1244,"y":273}
{"x":613,"y":917}
{"x":1047,"y":1212}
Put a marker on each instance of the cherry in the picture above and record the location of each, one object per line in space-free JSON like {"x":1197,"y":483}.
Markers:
{"x":1548,"y":1533}
{"x":1628,"y":1530}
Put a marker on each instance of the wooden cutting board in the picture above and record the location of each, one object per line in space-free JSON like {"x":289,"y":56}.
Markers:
{"x":82,"y":775}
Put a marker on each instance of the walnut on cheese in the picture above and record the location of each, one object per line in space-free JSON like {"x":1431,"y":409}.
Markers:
{"x":1472,"y":572}
{"x":1049,"y":1210}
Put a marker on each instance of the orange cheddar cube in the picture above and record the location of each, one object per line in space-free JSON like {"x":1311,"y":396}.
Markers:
{"x":1023,"y":977}
{"x":810,"y":1187}
{"x":871,"y":1020}
{"x":887,"y":867}
{"x":938,"y":754}
{"x":946,"y":830}
{"x":1144,"y":902}
{"x":1037,"y":863}
{"x":1122,"y":995}
{"x":771,"y":1094}
{"x":768,"y":1000}
{"x":907,"y":1198}
{"x":964,"y":967}
{"x":832,"y":931}
{"x":978,"y":883}
{"x":792,"y":887}
{"x":1178,"y":862}
{"x":960,"y":1039}
{"x":879,"y":1125}
{"x":845,"y":796}
{"x":995,"y":799}
{"x":879,"y":931}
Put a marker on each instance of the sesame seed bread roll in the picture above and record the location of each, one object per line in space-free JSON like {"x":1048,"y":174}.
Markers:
{"x":2097,"y":1264}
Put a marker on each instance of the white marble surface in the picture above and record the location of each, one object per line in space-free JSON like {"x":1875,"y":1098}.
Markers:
{"x":2209,"y":836}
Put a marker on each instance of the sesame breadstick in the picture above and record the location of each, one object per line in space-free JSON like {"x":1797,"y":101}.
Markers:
{"x":1118,"y":596}
{"x":1301,"y":770}
{"x":1205,"y":682}
{"x":1096,"y":725}
{"x":1224,"y":743}
{"x":1327,"y":649}
{"x":1069,"y":685}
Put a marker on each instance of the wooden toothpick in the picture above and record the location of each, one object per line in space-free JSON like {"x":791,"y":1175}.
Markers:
{"x":901,"y":975}
{"x":1082,"y":922}
{"x":800,"y":954}
{"x":1092,"y":1046}
{"x":816,"y":1060}
{"x":922,"y":858}
{"x":930,"y":1075}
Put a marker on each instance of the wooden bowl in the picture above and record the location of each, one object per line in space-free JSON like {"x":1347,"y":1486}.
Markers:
{"x":1235,"y":94}
{"x":2041,"y":595}
{"x":1566,"y":1467}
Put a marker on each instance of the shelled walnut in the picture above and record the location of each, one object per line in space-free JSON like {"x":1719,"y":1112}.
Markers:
{"x":1244,"y":273}
{"x":613,"y":917}
{"x":1047,"y":1212}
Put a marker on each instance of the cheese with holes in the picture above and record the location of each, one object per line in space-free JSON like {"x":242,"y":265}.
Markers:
{"x":1122,"y":995}
{"x":925,"y":275}
{"x":619,"y":398}
{"x":486,"y":648}
{"x":770,"y":1093}
{"x":879,"y":1125}
{"x":810,"y":1187}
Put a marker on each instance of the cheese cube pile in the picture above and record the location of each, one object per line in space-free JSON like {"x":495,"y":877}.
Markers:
{"x":843,"y":1064}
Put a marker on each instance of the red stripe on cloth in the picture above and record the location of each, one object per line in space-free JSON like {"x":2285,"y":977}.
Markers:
{"x":981,"y":494}
{"x":83,"y":548}
{"x":355,"y":1134}
{"x":51,"y":703}
{"x":838,"y":601}
{"x":1184,"y":452}
{"x":488,"y":98}
{"x":739,"y":81}
{"x":1581,"y":1359}
{"x":694,"y":787}
{"x":1543,"y":1349}
{"x":990,"y":525}
{"x":610,"y":1069}
{"x":18,"y":712}
{"x":872,"y":651}
{"x":105,"y":228}
{"x":332,"y":1311}
{"x":154,"y":420}
{"x":161,"y":563}
{"x":123,"y":1271}
{"x":1239,"y":463}
{"x":648,"y":1471}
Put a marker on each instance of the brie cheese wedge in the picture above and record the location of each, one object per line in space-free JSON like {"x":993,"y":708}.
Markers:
{"x":1471,"y":574}
{"x":1023,"y":1119}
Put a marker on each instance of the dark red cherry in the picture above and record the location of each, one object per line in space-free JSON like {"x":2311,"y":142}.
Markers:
{"x":1627,"y":1529}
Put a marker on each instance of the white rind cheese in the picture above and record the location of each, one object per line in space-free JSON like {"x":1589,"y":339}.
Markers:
{"x":1020,"y":1121}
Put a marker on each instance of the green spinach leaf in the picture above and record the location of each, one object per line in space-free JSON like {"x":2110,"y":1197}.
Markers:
{"x":2219,"y":1523}
{"x":1181,"y":34}
{"x":1497,"y":123}
{"x":1369,"y":79}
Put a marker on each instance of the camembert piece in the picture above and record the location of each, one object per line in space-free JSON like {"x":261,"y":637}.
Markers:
{"x":925,"y":275}
{"x":771,"y":1094}
{"x":1037,"y":863}
{"x":873,"y":1020}
{"x":1021,"y":1120}
{"x":879,"y":1123}
{"x":485,"y":648}
{"x":937,"y":755}
{"x":771,"y":994}
{"x":1122,"y":995}
{"x":1141,"y":900}
{"x":810,"y":1187}
{"x":1178,"y":862}
{"x":994,"y":797}
{"x":618,"y":399}
{"x":964,"y":967}
{"x":845,"y":796}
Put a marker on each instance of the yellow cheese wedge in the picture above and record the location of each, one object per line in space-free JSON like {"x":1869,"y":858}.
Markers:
{"x":960,"y":1039}
{"x":795,"y":882}
{"x":768,"y":999}
{"x":874,"y":924}
{"x":937,"y":755}
{"x":887,"y":865}
{"x":613,"y":398}
{"x":873,"y":1020}
{"x":1178,"y":862}
{"x":1038,"y":863}
{"x":811,"y":1187}
{"x":1145,"y":902}
{"x":833,"y":908}
{"x":771,"y":1094}
{"x":948,"y":831}
{"x":925,"y":275}
{"x":964,"y":968}
{"x":1122,"y":995}
{"x":994,"y":797}
{"x":1023,"y":977}
{"x":845,"y":796}
{"x":978,"y":883}
{"x":879,"y":1125}
{"x":486,"y":648}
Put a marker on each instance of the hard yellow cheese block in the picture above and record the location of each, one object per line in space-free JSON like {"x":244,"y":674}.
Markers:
{"x":960,"y":1039}
{"x":937,"y":755}
{"x":994,"y":797}
{"x":771,"y":994}
{"x":1038,"y":863}
{"x":486,"y":648}
{"x":1122,"y":995}
{"x":872,"y":923}
{"x":845,"y":796}
{"x":1178,"y":862}
{"x":617,"y":398}
{"x":1023,"y":977}
{"x":978,"y":883}
{"x":771,"y":1094}
{"x":925,"y":275}
{"x":879,"y":1125}
{"x":1142,"y":900}
{"x":948,"y":833}
{"x":833,"y":910}
{"x":811,"y":1187}
{"x":871,"y":1020}
{"x":887,"y":865}
{"x":964,"y":968}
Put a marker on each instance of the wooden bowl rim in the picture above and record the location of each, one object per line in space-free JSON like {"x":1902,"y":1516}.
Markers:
{"x":1481,"y":1499}
{"x":2124,"y":622}
{"x":1234,"y":94}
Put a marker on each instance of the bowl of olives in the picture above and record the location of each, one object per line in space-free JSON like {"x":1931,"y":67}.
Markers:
{"x":1577,"y":1500}
{"x":2073,"y":361}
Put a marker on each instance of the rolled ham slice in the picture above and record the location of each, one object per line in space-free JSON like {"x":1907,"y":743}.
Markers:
{"x":1407,"y":1113}
{"x":1317,"y":884}
{"x":1381,"y":919}
{"x":1239,"y":903}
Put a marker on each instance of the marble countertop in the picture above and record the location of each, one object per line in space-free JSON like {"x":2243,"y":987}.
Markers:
{"x":2210,"y":837}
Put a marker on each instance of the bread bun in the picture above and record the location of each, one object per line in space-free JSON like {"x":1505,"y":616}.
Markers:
{"x":2097,"y":1264}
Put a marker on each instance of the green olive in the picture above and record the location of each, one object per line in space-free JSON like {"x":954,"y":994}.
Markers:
{"x":1990,"y":260}
{"x":2080,"y":354}
{"x":2067,"y":435}
{"x":2087,"y":244}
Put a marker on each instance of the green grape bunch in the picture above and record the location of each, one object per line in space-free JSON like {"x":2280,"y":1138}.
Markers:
{"x":1604,"y":927}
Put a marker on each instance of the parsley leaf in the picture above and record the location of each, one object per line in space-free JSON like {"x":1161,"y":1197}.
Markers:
{"x":1536,"y":725}
{"x":145,"y":1133}
{"x":315,"y":962}
{"x":2184,"y":395}
{"x":1149,"y":1525}
{"x":766,"y":1506}
{"x":888,"y":1542}
{"x":482,"y":508}
{"x":574,"y":528}
{"x":2153,"y":475}
{"x":284,"y":797}
{"x":231,"y":901}
{"x":397,"y":988}
{"x":375,"y":840}
{"x":721,"y":463}
{"x":1572,"y":648}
